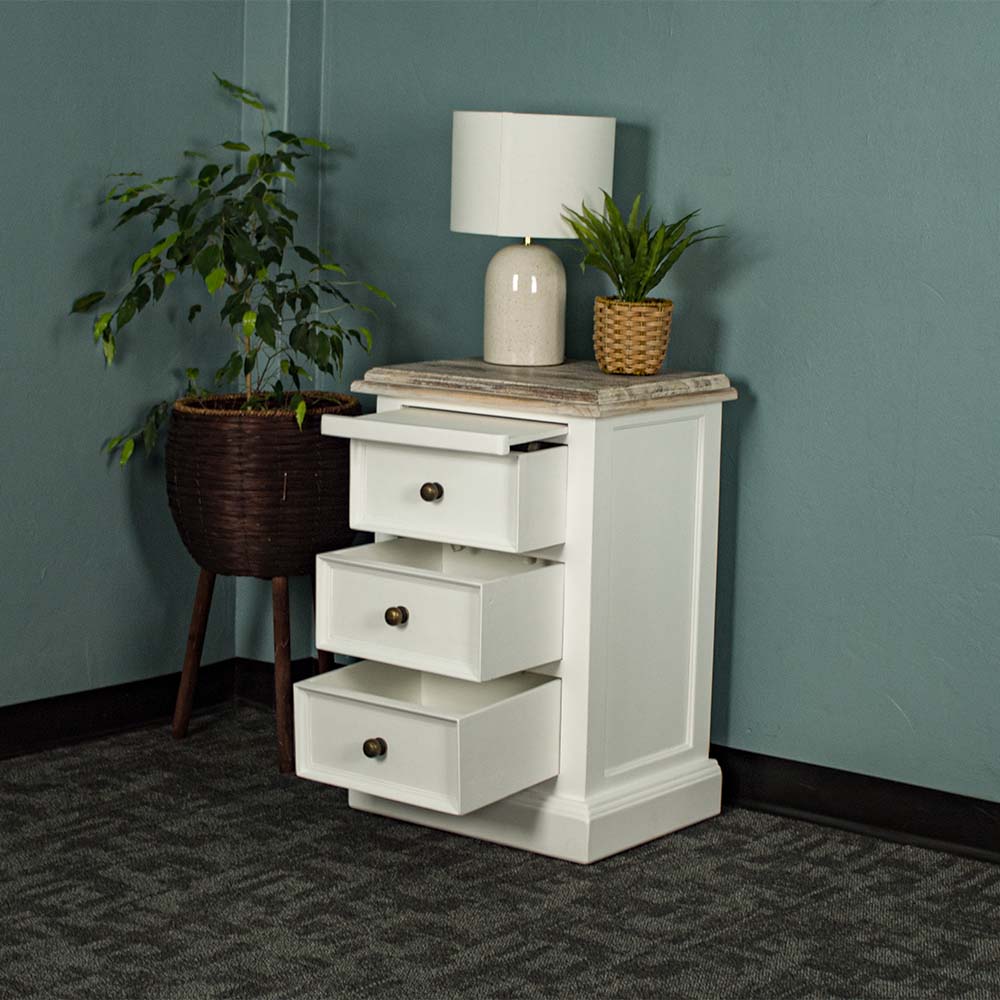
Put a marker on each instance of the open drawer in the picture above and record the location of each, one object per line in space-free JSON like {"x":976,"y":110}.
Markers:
{"x":448,"y":476}
{"x":462,"y":612}
{"x":430,"y":741}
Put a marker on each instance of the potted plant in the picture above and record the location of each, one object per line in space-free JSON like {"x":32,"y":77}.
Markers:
{"x":632,"y":330}
{"x":253,"y":488}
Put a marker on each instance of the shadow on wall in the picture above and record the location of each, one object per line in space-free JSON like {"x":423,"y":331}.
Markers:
{"x":170,"y":571}
{"x":631,"y":177}
{"x":737,"y":417}
{"x":698,"y":343}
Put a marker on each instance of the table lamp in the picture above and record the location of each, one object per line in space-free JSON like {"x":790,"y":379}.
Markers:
{"x":514,"y":175}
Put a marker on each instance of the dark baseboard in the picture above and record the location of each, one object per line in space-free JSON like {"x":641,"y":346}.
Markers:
{"x":254,"y":679}
{"x":72,"y":718}
{"x":878,"y":807}
{"x":874,"y":806}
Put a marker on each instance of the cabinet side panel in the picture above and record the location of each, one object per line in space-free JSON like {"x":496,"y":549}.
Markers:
{"x":652,"y":585}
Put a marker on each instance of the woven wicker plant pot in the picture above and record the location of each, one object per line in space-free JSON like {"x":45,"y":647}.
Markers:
{"x":250,"y":493}
{"x":630,"y":338}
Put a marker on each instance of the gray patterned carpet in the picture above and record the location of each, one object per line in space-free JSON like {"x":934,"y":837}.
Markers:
{"x":138,"y":867}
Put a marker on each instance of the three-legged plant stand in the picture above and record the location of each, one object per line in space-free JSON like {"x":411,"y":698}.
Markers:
{"x":282,"y":665}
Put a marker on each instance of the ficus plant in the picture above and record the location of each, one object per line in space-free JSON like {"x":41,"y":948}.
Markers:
{"x":284,"y":306}
{"x":634,"y":257}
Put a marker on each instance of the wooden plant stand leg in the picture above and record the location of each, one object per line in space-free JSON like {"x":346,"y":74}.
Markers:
{"x":283,"y":676}
{"x":324,"y":658}
{"x":192,"y":654}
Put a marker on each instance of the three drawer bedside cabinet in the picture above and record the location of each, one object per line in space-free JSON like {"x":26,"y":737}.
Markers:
{"x":535,"y":618}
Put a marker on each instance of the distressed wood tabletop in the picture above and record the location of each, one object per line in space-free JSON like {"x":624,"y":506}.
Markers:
{"x":575,"y":387}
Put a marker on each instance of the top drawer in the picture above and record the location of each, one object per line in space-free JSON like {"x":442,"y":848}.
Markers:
{"x":491,"y":482}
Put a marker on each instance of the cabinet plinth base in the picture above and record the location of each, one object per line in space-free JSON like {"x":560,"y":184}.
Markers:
{"x":571,"y":829}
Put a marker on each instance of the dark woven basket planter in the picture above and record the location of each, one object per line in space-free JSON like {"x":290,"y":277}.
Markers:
{"x":250,"y":493}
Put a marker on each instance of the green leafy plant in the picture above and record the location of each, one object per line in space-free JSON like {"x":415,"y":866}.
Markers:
{"x":634,"y":258}
{"x":284,"y":305}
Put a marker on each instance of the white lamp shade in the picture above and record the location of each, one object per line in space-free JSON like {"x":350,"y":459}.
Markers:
{"x":512,"y":174}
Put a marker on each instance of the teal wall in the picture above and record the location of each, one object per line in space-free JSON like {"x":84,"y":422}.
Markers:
{"x":96,"y":588}
{"x":851,"y":151}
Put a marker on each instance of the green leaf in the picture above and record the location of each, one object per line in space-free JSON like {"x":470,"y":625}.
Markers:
{"x":109,"y":348}
{"x":245,"y":252}
{"x":300,"y":412}
{"x":215,"y":279}
{"x":246,"y":96}
{"x":138,"y":209}
{"x":231,"y":369}
{"x":207,"y":174}
{"x":318,"y":143}
{"x":378,"y":292}
{"x":125,"y":311}
{"x":169,"y":277}
{"x":86,"y":302}
{"x":249,"y":323}
{"x":298,"y":339}
{"x":127,"y":450}
{"x":633,"y":216}
{"x":142,"y":296}
{"x":265,"y":325}
{"x":101,"y":324}
{"x":208,"y":259}
{"x":287,"y":138}
{"x":139,"y":261}
{"x":333,"y":267}
{"x":240,"y":147}
{"x":164,"y":244}
{"x":306,"y":254}
{"x":238,"y":181}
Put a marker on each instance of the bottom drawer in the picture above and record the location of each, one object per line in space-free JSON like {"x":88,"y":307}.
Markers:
{"x":444,"y":744}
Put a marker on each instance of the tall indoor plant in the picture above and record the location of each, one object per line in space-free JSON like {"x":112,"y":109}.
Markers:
{"x":253,"y":487}
{"x":631,"y":329}
{"x":238,"y":463}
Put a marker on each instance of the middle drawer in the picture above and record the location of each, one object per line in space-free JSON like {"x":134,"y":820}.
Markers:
{"x":469,"y":613}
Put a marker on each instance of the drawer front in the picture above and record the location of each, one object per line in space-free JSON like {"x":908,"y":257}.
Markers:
{"x":470,"y":614}
{"x":442,"y":629}
{"x":511,"y":503}
{"x":442,"y":744}
{"x":420,"y":765}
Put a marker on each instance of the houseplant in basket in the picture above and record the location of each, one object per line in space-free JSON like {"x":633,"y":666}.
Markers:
{"x":241,"y":458}
{"x":253,"y":488}
{"x":632,"y":330}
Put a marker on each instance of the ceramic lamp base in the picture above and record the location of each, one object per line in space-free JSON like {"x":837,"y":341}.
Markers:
{"x":524,"y":321}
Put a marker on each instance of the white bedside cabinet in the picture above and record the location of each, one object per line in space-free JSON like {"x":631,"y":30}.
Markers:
{"x":536,"y":615}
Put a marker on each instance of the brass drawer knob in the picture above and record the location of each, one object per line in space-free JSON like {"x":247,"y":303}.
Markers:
{"x":376,"y":747}
{"x":396,"y":616}
{"x":431,"y":492}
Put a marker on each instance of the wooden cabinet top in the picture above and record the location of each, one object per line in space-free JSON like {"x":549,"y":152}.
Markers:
{"x":576,"y":387}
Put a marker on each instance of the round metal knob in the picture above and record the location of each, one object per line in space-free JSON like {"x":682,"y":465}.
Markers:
{"x":396,"y":616}
{"x":375,"y":747}
{"x":431,"y":492}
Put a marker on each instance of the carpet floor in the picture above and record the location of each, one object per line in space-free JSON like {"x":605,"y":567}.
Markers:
{"x":139,"y":867}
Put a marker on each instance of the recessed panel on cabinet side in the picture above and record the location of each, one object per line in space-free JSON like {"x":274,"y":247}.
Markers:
{"x":654,"y":530}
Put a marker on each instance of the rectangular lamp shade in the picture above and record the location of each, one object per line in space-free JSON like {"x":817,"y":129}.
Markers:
{"x":512,"y":174}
